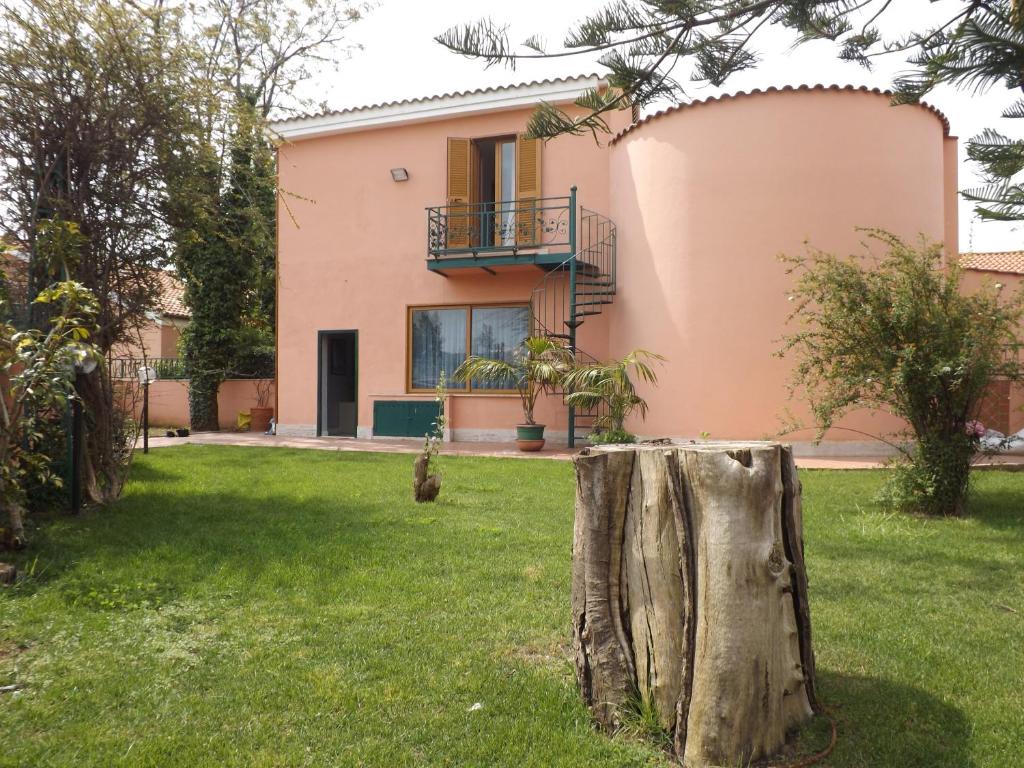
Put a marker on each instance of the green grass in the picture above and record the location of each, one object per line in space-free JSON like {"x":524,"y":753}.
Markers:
{"x":266,"y":607}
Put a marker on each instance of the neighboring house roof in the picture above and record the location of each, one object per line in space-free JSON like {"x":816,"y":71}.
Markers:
{"x":14,"y":263}
{"x":773,"y":89}
{"x":555,"y":91}
{"x":171,"y":299}
{"x":994,"y":261}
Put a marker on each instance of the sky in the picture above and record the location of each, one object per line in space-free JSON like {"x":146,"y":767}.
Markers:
{"x":399,"y":59}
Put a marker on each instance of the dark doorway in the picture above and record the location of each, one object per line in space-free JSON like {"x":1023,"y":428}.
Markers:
{"x":338,"y":379}
{"x":495,"y":161}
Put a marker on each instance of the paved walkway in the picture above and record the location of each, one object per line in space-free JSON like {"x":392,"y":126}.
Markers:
{"x":379,"y":444}
{"x":1012,"y":462}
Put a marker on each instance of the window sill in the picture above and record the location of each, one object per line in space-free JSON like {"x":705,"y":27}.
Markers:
{"x":430,"y":395}
{"x":455,"y":393}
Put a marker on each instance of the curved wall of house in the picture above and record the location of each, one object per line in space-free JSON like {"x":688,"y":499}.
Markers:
{"x":707,"y":196}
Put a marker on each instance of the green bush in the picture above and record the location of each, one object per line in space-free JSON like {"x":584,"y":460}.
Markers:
{"x":896,"y":333}
{"x":611,"y":437}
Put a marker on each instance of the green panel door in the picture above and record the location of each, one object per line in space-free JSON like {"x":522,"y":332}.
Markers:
{"x":403,"y":418}
{"x":422,"y":417}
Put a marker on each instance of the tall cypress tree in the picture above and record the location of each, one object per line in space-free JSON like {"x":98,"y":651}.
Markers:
{"x":224,"y":236}
{"x":224,"y":179}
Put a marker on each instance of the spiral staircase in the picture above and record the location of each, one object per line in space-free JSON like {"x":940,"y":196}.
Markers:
{"x":576,"y":289}
{"x":574,"y":246}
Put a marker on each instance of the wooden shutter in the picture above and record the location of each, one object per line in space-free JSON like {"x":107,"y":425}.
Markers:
{"x":528,"y":175}
{"x":460,"y":187}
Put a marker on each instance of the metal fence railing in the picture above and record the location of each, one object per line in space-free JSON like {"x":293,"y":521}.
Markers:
{"x":165,"y":367}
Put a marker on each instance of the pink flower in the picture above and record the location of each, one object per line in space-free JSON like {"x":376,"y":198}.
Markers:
{"x":974,"y":428}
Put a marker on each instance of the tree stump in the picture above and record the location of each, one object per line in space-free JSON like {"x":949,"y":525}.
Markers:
{"x":424,"y":487}
{"x":689,"y":595}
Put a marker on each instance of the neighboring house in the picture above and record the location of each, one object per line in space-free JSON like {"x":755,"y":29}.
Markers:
{"x":1003,"y":409}
{"x":420,"y":231}
{"x":158,"y":339}
{"x":168,"y":397}
{"x":14,"y":284}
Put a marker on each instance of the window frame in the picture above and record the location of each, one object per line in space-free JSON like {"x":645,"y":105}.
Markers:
{"x":468,"y":390}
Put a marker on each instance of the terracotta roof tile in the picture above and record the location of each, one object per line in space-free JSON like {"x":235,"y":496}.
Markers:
{"x":994,"y":261}
{"x":171,"y":300}
{"x":773,"y":89}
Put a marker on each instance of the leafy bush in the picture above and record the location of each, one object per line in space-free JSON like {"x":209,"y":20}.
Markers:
{"x":37,"y":371}
{"x":168,"y":368}
{"x":896,"y":333}
{"x":611,"y":437}
{"x":44,"y":493}
{"x":254,"y":354}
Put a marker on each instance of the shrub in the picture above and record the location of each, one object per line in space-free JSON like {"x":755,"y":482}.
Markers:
{"x":611,"y":437}
{"x":896,"y":333}
{"x":37,"y":371}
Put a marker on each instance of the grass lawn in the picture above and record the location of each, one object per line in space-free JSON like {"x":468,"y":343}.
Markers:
{"x":267,"y":607}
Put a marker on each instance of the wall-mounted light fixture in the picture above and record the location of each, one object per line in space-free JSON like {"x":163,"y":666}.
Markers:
{"x":399,"y":174}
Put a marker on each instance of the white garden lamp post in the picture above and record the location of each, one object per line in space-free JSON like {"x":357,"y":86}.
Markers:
{"x":147,"y":375}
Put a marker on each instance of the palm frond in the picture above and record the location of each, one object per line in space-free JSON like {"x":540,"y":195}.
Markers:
{"x":481,"y":39}
{"x":999,"y":156}
{"x":610,"y":383}
{"x":1015,"y":110}
{"x":486,"y":369}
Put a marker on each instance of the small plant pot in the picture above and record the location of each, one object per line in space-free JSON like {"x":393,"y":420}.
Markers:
{"x":182,"y":432}
{"x":530,"y":437}
{"x":260,"y":419}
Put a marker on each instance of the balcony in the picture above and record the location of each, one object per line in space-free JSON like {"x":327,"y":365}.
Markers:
{"x":539,"y":231}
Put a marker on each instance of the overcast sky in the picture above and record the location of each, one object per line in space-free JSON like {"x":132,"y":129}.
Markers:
{"x":399,"y":59}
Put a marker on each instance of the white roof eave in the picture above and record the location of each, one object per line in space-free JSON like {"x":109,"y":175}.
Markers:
{"x":442,"y":107}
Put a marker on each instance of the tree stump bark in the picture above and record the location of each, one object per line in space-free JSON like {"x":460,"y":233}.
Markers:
{"x":424,"y":487}
{"x":14,"y":535}
{"x":689,"y":595}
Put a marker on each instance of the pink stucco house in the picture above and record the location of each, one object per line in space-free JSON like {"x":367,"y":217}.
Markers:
{"x":416,"y":232}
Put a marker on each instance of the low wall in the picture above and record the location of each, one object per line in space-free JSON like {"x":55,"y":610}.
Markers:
{"x":168,"y":402}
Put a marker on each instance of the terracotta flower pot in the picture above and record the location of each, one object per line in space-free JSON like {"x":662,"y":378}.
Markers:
{"x":259,"y":419}
{"x":530,"y":437}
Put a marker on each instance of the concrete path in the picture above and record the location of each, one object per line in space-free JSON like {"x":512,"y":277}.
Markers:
{"x":378,"y":445}
{"x":1012,"y":462}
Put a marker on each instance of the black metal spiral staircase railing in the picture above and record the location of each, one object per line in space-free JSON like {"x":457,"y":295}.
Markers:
{"x":575,"y":289}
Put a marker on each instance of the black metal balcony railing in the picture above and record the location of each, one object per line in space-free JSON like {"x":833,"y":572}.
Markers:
{"x":482,"y":228}
{"x":165,"y":367}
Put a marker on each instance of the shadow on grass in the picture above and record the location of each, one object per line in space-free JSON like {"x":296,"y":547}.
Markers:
{"x":234,"y":515}
{"x":164,"y":542}
{"x":883,"y":723}
{"x":996,"y":502}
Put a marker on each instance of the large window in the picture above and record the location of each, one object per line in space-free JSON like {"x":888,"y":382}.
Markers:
{"x":439,"y":338}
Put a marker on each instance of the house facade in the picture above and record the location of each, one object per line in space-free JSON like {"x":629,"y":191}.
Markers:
{"x":412,"y":234}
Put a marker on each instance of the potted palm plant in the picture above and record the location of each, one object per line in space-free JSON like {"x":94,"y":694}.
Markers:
{"x":538,"y":365}
{"x":608,"y":387}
